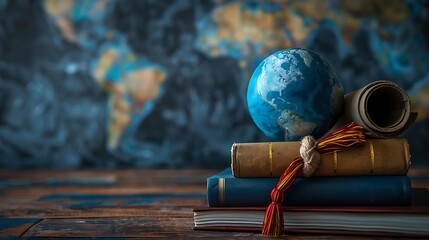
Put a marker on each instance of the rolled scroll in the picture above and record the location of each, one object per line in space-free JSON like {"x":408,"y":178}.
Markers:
{"x":382,"y":107}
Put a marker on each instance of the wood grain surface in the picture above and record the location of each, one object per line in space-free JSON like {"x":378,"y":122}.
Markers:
{"x":128,"y":203}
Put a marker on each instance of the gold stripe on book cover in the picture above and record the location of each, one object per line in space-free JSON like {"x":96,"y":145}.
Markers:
{"x":221,"y":186}
{"x":335,"y":162}
{"x":371,"y":149}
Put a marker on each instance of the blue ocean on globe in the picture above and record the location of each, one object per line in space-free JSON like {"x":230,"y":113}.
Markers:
{"x":294,"y":93}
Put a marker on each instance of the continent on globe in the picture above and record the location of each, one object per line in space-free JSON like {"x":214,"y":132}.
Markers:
{"x":294,"y":93}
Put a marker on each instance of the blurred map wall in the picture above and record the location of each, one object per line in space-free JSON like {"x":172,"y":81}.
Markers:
{"x":86,"y":83}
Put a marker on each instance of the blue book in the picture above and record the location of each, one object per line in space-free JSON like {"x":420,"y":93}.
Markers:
{"x":223,"y":189}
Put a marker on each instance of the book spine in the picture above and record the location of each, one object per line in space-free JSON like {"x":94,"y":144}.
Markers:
{"x":269,"y":159}
{"x":345,"y":191}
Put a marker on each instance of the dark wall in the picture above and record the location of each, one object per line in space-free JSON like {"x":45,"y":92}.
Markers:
{"x":162,"y":83}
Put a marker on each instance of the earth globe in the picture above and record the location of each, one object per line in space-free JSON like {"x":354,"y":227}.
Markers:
{"x":293,"y":93}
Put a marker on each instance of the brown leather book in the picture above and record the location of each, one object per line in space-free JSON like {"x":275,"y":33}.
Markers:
{"x":389,"y":156}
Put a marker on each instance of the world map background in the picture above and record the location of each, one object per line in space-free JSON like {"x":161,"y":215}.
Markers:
{"x":111,"y":84}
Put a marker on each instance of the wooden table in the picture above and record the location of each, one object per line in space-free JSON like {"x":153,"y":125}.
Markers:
{"x":109,"y":204}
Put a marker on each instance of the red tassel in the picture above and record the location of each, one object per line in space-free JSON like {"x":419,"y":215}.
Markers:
{"x":345,"y":137}
{"x":273,"y":219}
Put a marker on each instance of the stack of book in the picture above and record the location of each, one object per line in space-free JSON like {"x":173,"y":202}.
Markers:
{"x":360,"y":190}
